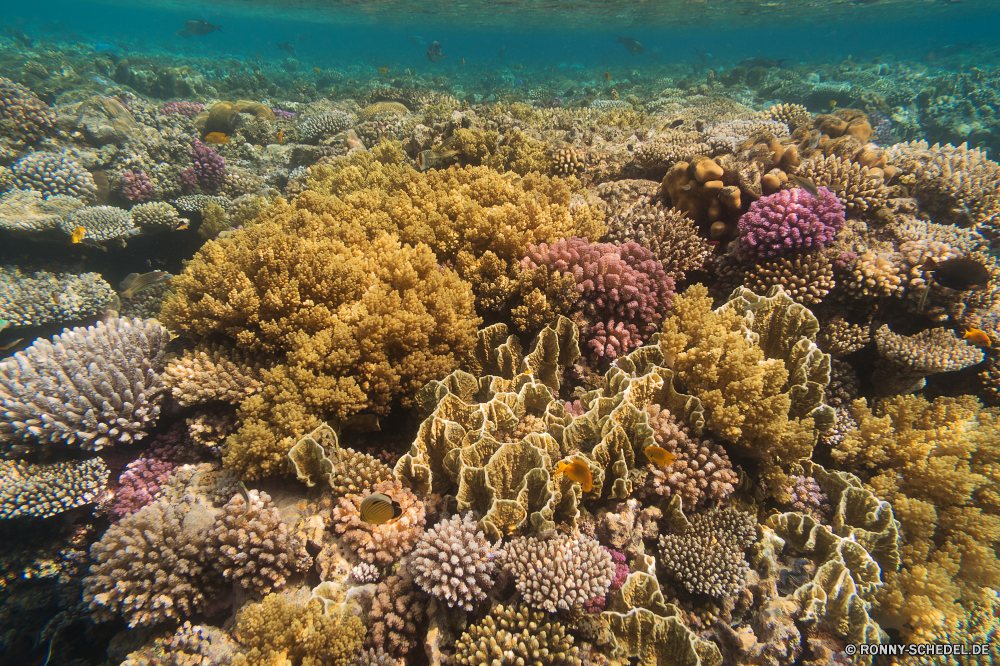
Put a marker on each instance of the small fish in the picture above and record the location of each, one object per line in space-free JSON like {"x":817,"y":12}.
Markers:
{"x":216,"y":137}
{"x":7,"y":345}
{"x":959,"y":274}
{"x":805,"y":184}
{"x":378,"y":509}
{"x":502,"y":51}
{"x":79,"y":234}
{"x":198,"y":28}
{"x":90,"y":242}
{"x":286,"y":46}
{"x":713,"y":243}
{"x":659,"y":455}
{"x":978,"y":337}
{"x":428,"y":158}
{"x":317,"y":70}
{"x":409,"y":71}
{"x":577,"y":472}
{"x":134,"y":283}
{"x":518,"y":66}
{"x":631,"y":45}
{"x":833,"y":104}
{"x":434,"y":52}
{"x":686,"y":188}
{"x":463,"y":62}
{"x":181,"y":227}
{"x":676,"y":123}
{"x":766,"y":63}
{"x":281,"y":133}
{"x":607,"y":77}
{"x":383,"y":70}
{"x":246,"y":499}
{"x":21,"y":37}
{"x":418,"y":40}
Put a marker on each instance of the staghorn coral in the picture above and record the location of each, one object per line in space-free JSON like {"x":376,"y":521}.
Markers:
{"x":149,"y":567}
{"x":861,"y":189}
{"x":398,"y":610}
{"x":558,"y":572}
{"x":213,"y":372}
{"x":453,"y":561}
{"x":278,"y":631}
{"x":54,"y":174}
{"x":624,"y":292}
{"x":807,"y":278}
{"x":510,"y":636}
{"x":908,"y":360}
{"x":792,"y":115}
{"x":254,"y":546}
{"x":876,"y":274}
{"x":23,"y":116}
{"x":956,"y":182}
{"x":701,"y":471}
{"x":88,"y":388}
{"x":32,"y":299}
{"x":708,"y":557}
{"x":670,"y":147}
{"x":41,"y":491}
{"x":789,"y":221}
{"x":383,"y":544}
{"x":839,"y":337}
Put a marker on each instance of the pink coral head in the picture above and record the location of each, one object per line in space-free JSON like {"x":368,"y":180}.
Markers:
{"x":790,"y":221}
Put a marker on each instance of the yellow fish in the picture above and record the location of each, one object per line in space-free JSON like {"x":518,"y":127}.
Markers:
{"x":216,"y":137}
{"x":659,"y":455}
{"x":79,"y":234}
{"x":978,"y":338}
{"x":379,"y":509}
{"x":317,"y":70}
{"x":383,"y":70}
{"x":578,"y":472}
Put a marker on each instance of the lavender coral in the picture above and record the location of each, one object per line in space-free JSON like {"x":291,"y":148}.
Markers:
{"x":148,"y":567}
{"x":790,"y":221}
{"x":252,"y":545}
{"x":136,"y":187}
{"x":454,"y":562}
{"x":559,"y":572}
{"x":624,"y":292}
{"x":207,"y":171}
{"x":88,"y":388}
{"x":140,"y":484}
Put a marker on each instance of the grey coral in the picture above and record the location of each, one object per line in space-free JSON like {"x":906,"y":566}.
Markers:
{"x":148,"y":568}
{"x":558,"y":572}
{"x":88,"y":388}
{"x":41,"y":491}
{"x":708,"y":557}
{"x":454,"y":562}
{"x":325,"y":125}
{"x":101,"y":222}
{"x":39,"y":298}
{"x":54,"y":173}
{"x":254,"y":546}
{"x":907,"y":360}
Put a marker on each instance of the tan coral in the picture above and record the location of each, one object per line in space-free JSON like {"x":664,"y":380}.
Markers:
{"x":213,"y":372}
{"x":807,"y":278}
{"x":861,"y":189}
{"x":383,"y":544}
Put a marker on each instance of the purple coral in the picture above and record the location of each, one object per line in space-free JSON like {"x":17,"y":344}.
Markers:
{"x":281,"y":114}
{"x":808,"y":497}
{"x":186,"y":109}
{"x":136,"y":187}
{"x":207,"y":171}
{"x":624,"y":291}
{"x":140,"y":484}
{"x":789,"y":221}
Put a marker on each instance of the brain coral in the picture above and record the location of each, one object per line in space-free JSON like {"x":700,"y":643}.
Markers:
{"x":360,"y":322}
{"x":89,"y":387}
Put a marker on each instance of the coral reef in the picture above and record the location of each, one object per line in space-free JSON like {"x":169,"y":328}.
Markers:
{"x":54,"y":173}
{"x":789,"y":221}
{"x":88,"y":388}
{"x":453,"y":561}
{"x":513,"y":635}
{"x":39,"y":298}
{"x":558,"y":572}
{"x":25,"y":117}
{"x":708,"y":557}
{"x":384,"y":544}
{"x":42,"y":491}
{"x":140,"y":484}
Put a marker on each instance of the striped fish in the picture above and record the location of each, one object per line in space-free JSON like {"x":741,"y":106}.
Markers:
{"x":134,"y":283}
{"x":379,"y":509}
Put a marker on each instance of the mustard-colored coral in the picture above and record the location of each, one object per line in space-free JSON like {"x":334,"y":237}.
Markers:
{"x":277,"y":631}
{"x":937,"y":464}
{"x":360,"y":322}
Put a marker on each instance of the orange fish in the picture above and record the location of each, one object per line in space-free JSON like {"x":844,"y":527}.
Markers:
{"x":280,"y":133}
{"x":607,"y":76}
{"x":552,"y":68}
{"x":216,"y":137}
{"x":383,"y":70}
{"x":79,"y":234}
{"x":463,"y":62}
{"x":659,"y":455}
{"x":978,"y":338}
{"x":577,"y":472}
{"x":317,"y":70}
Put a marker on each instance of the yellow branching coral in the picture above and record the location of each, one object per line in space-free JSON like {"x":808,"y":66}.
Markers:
{"x":277,"y":631}
{"x":755,"y":368}
{"x":936,"y":463}
{"x":361,"y":322}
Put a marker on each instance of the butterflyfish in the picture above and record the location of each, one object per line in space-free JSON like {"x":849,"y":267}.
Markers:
{"x":577,"y":472}
{"x":659,"y":455}
{"x":79,"y":234}
{"x":134,"y":283}
{"x":379,"y":509}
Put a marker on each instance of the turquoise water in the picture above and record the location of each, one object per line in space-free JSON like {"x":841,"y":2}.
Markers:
{"x":862,"y":405}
